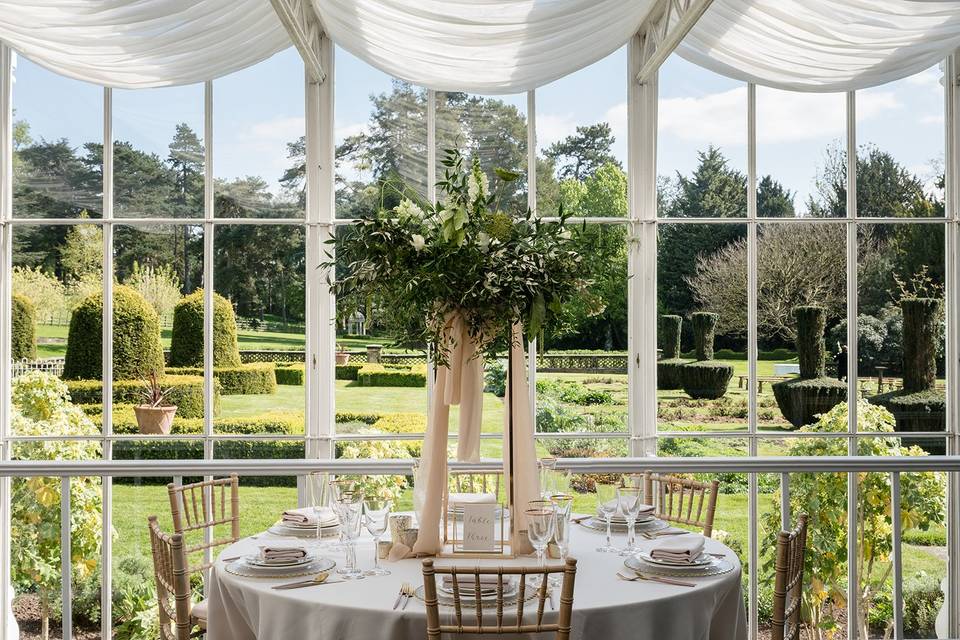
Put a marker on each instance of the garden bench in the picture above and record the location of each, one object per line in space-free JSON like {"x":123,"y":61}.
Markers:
{"x":743,"y":381}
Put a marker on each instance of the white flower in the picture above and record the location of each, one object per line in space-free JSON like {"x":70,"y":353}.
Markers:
{"x":565,"y":234}
{"x":483,"y":241}
{"x":477,"y":185}
{"x":418,"y":242}
{"x":408,"y":209}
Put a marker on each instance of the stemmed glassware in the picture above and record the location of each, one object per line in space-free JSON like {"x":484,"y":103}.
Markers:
{"x":376,"y":513}
{"x":563,"y":505}
{"x":629,"y":500}
{"x":349,"y":509}
{"x":607,"y":505}
{"x":339,"y":487}
{"x":548,"y":469}
{"x":317,"y":483}
{"x":541,"y":526}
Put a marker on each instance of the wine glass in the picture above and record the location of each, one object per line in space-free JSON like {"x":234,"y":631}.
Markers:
{"x":349,"y":509}
{"x":563,"y":505}
{"x":376,"y":513}
{"x":629,"y":500}
{"x":339,"y":487}
{"x":317,"y":483}
{"x":548,"y":467}
{"x":541,"y":525}
{"x":607,"y":505}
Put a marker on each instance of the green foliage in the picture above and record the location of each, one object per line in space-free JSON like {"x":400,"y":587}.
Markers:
{"x":23,"y":341}
{"x":403,"y":423}
{"x":803,"y":400}
{"x":135,"y":613}
{"x":81,"y":254}
{"x":376,"y":375}
{"x":186,"y":393}
{"x":186,"y":343}
{"x":137,"y":351}
{"x":41,"y":407}
{"x":348,"y":371}
{"x":42,"y":289}
{"x":811,"y":351}
{"x":271,"y":422}
{"x":670,"y":336}
{"x":704,"y":325}
{"x":921,"y":319}
{"x":495,"y":378}
{"x":670,"y":373}
{"x":706,"y":379}
{"x":159,"y":286}
{"x":933,"y":537}
{"x":381,"y":486}
{"x":917,"y":411}
{"x":253,"y":378}
{"x":573,"y":392}
{"x":580,"y":155}
{"x":292,"y":373}
{"x":823,"y":497}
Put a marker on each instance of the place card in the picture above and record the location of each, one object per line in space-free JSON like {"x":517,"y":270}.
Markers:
{"x":479,"y":527}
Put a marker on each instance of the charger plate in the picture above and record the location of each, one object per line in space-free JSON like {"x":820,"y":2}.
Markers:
{"x":717,"y":567}
{"x":596,"y":524}
{"x":467,"y":602}
{"x":241,"y":568}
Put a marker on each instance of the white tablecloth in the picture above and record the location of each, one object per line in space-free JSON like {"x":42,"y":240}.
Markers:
{"x":603,"y":605}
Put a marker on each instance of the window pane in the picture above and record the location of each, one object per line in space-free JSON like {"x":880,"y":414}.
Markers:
{"x":702,"y":148}
{"x":158,"y":153}
{"x":702,"y":268}
{"x":259,"y":145}
{"x":57,"y":151}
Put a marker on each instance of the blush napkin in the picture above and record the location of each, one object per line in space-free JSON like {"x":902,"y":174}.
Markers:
{"x":685,"y":548}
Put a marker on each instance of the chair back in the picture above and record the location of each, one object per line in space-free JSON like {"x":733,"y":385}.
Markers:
{"x":204,"y":506}
{"x":173,"y":583}
{"x":788,"y":583}
{"x":475,"y":624}
{"x":682,"y":500}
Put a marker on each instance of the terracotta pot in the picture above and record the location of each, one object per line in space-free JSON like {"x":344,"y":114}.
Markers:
{"x":343,"y":357}
{"x":153,"y":420}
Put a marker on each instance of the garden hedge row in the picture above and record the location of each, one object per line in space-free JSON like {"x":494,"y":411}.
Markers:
{"x":186,"y":342}
{"x":186,"y":393}
{"x":290,"y":373}
{"x":376,"y":375}
{"x":348,"y":371}
{"x":23,"y":341}
{"x":255,"y":378}
{"x":273,"y":422}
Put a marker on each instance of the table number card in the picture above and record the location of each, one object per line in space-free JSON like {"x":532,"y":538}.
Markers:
{"x":479,"y":527}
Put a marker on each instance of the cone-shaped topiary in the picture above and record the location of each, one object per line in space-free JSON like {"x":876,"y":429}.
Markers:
{"x":802,"y":399}
{"x":136,"y":338}
{"x":706,"y":378}
{"x":23,"y":341}
{"x":668,"y":367}
{"x":919,"y":406}
{"x":186,"y":344}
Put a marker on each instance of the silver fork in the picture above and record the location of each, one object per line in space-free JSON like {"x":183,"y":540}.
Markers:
{"x":408,"y":592}
{"x":641,"y":576}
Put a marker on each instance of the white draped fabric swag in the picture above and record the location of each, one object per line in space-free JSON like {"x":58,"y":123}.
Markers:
{"x":484,"y":46}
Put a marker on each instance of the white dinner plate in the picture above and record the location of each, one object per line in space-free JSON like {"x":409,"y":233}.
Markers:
{"x":254,"y":560}
{"x":703,"y":560}
{"x":318,"y":565}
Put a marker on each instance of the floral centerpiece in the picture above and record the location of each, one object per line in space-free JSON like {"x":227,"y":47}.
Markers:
{"x":423,"y":263}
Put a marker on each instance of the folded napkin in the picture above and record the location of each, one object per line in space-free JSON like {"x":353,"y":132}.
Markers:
{"x":472,"y":498}
{"x":398,"y":551}
{"x":686,"y":548}
{"x":282,"y":555}
{"x":308,"y":517}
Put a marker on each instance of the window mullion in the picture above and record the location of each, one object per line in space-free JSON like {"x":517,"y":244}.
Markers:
{"x":106,"y":482}
{"x":752,"y":486}
{"x":532,"y":205}
{"x":6,"y":265}
{"x":852,"y":362}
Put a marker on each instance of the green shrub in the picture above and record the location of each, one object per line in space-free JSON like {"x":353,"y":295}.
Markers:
{"x":573,"y":392}
{"x":254,"y":378}
{"x":922,"y":599}
{"x":186,"y":343}
{"x":136,"y":338}
{"x":186,"y":393}
{"x":273,"y":422}
{"x":669,"y":374}
{"x":348,"y":371}
{"x":917,"y":411}
{"x":933,"y":537}
{"x":811,"y":351}
{"x":375,"y":375}
{"x":293,"y":373}
{"x":404,"y":423}
{"x":23,"y":341}
{"x":366,"y":418}
{"x":495,"y":378}
{"x":135,"y":613}
{"x":706,"y":379}
{"x":704,"y":326}
{"x":670,"y":336}
{"x":389,"y":487}
{"x":921,"y":318}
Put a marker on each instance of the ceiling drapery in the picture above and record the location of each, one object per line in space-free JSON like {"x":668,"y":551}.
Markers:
{"x":484,"y":46}
{"x":143,"y":43}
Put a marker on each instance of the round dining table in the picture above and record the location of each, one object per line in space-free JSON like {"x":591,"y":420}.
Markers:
{"x":604,"y":606}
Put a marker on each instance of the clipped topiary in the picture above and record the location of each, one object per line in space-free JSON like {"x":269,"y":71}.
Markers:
{"x":23,"y":341}
{"x":919,"y":406}
{"x":706,"y":378}
{"x":668,"y":367}
{"x":802,"y":399}
{"x":186,"y":344}
{"x":136,"y":338}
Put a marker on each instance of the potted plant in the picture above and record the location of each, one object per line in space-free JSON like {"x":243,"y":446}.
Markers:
{"x":343,"y":356}
{"x":154,"y":413}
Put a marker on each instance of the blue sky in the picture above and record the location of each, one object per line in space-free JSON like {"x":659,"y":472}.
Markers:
{"x":258,"y":110}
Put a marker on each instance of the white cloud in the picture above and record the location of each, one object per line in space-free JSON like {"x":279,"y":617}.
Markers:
{"x":929,"y":78}
{"x":270,"y":131}
{"x":346,"y":130}
{"x":936,"y":118}
{"x":552,"y":127}
{"x":718,"y":118}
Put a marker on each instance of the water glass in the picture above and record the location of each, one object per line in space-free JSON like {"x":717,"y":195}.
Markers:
{"x":563,"y":506}
{"x":349,"y":509}
{"x":628,"y":498}
{"x":607,"y":506}
{"x":548,"y":469}
{"x":376,"y":516}
{"x":541,"y":526}
{"x":317,"y":497}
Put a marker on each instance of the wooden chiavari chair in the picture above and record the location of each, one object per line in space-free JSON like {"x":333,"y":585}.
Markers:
{"x":202,"y":506}
{"x":682,"y":500}
{"x":463,"y":623}
{"x":788,"y":582}
{"x":178,"y":618}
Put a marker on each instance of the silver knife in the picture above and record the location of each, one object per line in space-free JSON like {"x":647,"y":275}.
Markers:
{"x":552,"y":605}
{"x":406,"y":601}
{"x":306,"y":583}
{"x":397,"y":601}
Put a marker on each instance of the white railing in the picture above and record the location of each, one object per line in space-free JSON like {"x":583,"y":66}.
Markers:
{"x":53,"y":366}
{"x":783,"y":466}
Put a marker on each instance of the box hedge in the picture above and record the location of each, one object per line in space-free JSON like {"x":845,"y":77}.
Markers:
{"x":290,"y":373}
{"x":349,"y":371}
{"x":274,"y":422}
{"x":376,"y":375}
{"x":186,"y":393}
{"x":137,"y":351}
{"x":23,"y":341}
{"x":186,"y":343}
{"x":255,"y":378}
{"x":706,"y":378}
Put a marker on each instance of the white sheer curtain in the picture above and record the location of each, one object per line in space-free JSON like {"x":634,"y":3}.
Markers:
{"x":142,"y":43}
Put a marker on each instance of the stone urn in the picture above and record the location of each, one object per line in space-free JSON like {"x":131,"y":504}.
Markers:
{"x":343,"y":357}
{"x":155,"y":420}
